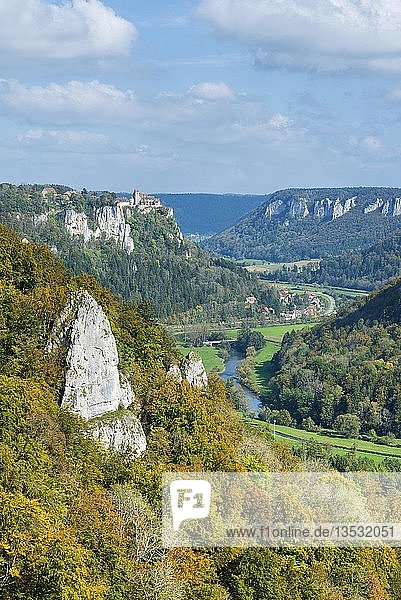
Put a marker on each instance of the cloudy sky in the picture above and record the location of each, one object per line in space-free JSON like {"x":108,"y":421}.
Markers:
{"x":200,"y":95}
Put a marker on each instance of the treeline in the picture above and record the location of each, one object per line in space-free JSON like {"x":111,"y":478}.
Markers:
{"x":365,"y":270}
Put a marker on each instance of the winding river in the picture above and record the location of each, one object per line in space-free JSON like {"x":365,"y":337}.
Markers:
{"x":230,"y":372}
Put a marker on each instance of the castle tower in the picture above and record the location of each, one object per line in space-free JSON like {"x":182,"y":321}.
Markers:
{"x":136,"y":197}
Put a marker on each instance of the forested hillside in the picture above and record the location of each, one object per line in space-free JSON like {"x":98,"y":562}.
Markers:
{"x":299,"y":224}
{"x":139,"y":255}
{"x":209,"y":213}
{"x":365,"y":270}
{"x":79,"y":522}
{"x":348,"y":367}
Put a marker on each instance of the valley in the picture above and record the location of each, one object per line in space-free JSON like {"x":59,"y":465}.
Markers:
{"x":254,"y":376}
{"x":200,"y":300}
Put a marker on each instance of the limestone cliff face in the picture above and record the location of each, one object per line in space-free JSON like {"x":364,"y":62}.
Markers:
{"x":93,"y":384}
{"x":122,"y":432}
{"x":110,"y":221}
{"x":298,"y":208}
{"x":77,"y":224}
{"x":390,"y":207}
{"x":192,"y":370}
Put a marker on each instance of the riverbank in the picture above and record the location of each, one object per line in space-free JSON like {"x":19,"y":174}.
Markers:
{"x":262,"y":368}
{"x":230,"y":373}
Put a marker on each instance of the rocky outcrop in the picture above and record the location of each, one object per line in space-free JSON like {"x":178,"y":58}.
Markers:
{"x":77,"y":224}
{"x":40,"y":219}
{"x":121,"y":431}
{"x":110,"y":222}
{"x":274,"y":208}
{"x":298,"y":208}
{"x":390,"y":207}
{"x":175,"y":372}
{"x":93,"y":384}
{"x":194,"y":371}
{"x":379,"y":202}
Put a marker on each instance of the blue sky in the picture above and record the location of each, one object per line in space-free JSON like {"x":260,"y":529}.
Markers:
{"x":244,"y":96}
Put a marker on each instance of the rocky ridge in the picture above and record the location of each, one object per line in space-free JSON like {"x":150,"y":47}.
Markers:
{"x":298,"y":204}
{"x":298,"y":224}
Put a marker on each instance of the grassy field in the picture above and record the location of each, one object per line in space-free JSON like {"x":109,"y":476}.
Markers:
{"x":339,"y":445}
{"x":263,"y":367}
{"x":209,"y":357}
{"x":309,"y":287}
{"x":273,"y":333}
{"x":259,"y":266}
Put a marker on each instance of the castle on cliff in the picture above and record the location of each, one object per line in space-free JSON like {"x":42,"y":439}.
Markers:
{"x":141,"y":201}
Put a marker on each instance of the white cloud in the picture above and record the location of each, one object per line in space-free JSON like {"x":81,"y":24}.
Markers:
{"x":314,"y":34}
{"x":93,"y":100}
{"x":212,"y":91}
{"x":207,"y":113}
{"x":279,"y":121}
{"x":373,"y":144}
{"x":64,"y":136}
{"x":369,"y":145}
{"x":76,"y":28}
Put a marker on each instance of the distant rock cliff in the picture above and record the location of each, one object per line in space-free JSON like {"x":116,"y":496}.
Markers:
{"x":297,"y":224}
{"x":298,"y":207}
{"x":110,"y":221}
{"x":93,"y":385}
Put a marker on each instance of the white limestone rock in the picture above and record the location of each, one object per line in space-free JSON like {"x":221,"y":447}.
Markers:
{"x":93,"y":385}
{"x":77,"y":224}
{"x":378,"y":203}
{"x":121,"y":431}
{"x":111,"y":222}
{"x":194,"y":371}
{"x":175,"y":372}
{"x":397,"y":207}
{"x":298,"y":208}
{"x":40,"y":219}
{"x":276,"y":207}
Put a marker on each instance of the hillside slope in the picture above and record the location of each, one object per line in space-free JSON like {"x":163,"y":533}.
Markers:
{"x":312,"y":223}
{"x":365,"y":270}
{"x":137,"y":250}
{"x":79,"y":521}
{"x":350,"y":365}
{"x":207,"y":214}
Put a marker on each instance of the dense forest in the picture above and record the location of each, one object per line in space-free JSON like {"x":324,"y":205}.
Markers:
{"x":170,"y":272}
{"x":365,"y":270}
{"x":79,"y":522}
{"x":289,"y":235}
{"x":207,"y":214}
{"x":348,"y":368}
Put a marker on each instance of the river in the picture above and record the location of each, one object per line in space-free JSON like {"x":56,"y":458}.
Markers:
{"x":230,"y":372}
